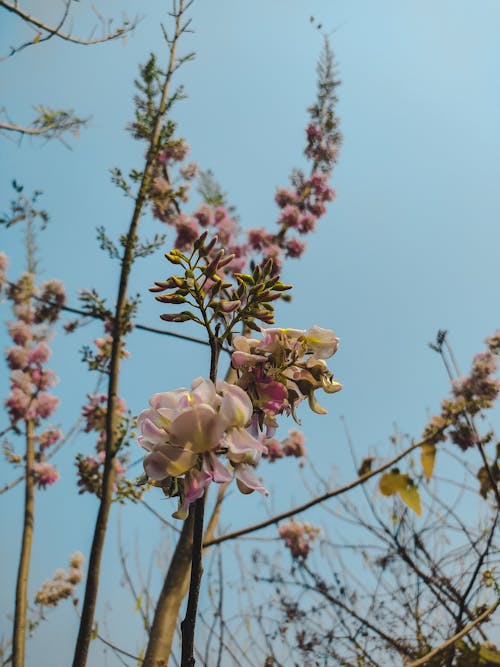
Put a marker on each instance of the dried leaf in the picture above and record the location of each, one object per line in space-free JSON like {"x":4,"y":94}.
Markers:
{"x":428,"y":459}
{"x":392,"y":482}
{"x":411,"y":497}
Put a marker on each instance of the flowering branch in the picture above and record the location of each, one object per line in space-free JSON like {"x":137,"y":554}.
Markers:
{"x":155,"y":136}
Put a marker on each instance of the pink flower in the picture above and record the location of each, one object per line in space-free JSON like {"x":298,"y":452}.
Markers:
{"x":293,"y":445}
{"x":274,"y":450}
{"x":298,"y":537}
{"x":48,"y":438}
{"x":45,"y":474}
{"x":19,"y":332}
{"x":17,"y":357}
{"x":46,"y":404}
{"x":187,"y":232}
{"x":294,"y":248}
{"x":285,"y":196}
{"x":40,"y":354}
{"x":184,"y":430}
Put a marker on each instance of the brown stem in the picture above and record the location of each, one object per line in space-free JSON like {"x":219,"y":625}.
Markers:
{"x":19,"y":636}
{"x":112,"y":445}
{"x":189,"y":622}
{"x":315,"y":501}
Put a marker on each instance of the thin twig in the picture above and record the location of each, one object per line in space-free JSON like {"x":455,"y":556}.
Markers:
{"x":449,"y":642}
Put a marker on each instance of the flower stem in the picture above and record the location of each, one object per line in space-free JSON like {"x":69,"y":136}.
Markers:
{"x":19,"y":636}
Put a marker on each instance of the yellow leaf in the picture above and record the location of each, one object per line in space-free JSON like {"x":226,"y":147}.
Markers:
{"x":428,"y":458}
{"x":37,"y":38}
{"x":491,"y":657}
{"x":392,"y":482}
{"x":411,"y":497}
{"x":138,"y":603}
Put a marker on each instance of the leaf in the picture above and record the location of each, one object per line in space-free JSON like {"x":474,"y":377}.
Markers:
{"x":492,"y":657}
{"x":366,"y":466}
{"x":396,"y":482}
{"x":138,"y":603}
{"x":392,"y":482}
{"x":428,"y":459}
{"x":411,"y":497}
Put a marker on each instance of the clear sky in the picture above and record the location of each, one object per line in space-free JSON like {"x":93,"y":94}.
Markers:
{"x":412,"y":243}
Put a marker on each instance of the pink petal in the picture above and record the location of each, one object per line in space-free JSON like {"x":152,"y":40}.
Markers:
{"x":198,"y":428}
{"x":247,"y":481}
{"x":168,"y":461}
{"x":236,"y":408}
{"x":214,"y":466}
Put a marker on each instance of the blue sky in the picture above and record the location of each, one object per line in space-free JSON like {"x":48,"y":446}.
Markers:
{"x":411,"y":245}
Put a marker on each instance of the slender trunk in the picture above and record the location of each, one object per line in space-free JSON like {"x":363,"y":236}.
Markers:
{"x":92,"y":585}
{"x":175,"y":588}
{"x":189,"y":622}
{"x":19,"y":637}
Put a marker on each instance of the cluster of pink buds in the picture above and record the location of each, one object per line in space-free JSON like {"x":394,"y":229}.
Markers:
{"x":471,"y":394}
{"x":284,"y":368}
{"x":293,"y":446}
{"x":90,"y":468}
{"x":298,"y":537}
{"x":45,"y":474}
{"x":35,"y":308}
{"x":62,"y":585}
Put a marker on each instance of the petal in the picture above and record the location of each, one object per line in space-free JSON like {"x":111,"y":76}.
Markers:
{"x":236,"y":408}
{"x":168,"y":461}
{"x":246,"y":480}
{"x":151,"y":433}
{"x":239,"y":359}
{"x":322,"y":342}
{"x":203,"y":391}
{"x":198,"y":428}
{"x":214,"y":466}
{"x":243,"y":446}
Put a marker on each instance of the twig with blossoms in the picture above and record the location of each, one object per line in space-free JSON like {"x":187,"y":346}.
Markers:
{"x":151,"y":106}
{"x":29,"y":404}
{"x":216,"y":217}
{"x":186,"y":431}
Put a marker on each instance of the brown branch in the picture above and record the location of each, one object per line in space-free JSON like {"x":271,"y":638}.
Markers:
{"x":315,"y":501}
{"x":449,"y":642}
{"x":87,"y":620}
{"x":55,"y":30}
{"x":21,"y":604}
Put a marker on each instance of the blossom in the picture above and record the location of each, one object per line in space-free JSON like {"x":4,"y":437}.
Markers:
{"x":284,"y":368}
{"x":184,"y":431}
{"x":44,"y":474}
{"x":293,"y":445}
{"x":298,"y":537}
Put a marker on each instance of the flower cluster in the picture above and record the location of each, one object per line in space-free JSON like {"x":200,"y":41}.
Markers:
{"x":184,"y":431}
{"x":90,"y":468}
{"x":35,"y":308}
{"x":62,"y":585}
{"x":45,"y":474}
{"x":298,"y":537}
{"x":284,"y":368}
{"x":301,"y":205}
{"x":293,"y":445}
{"x":470,"y":395}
